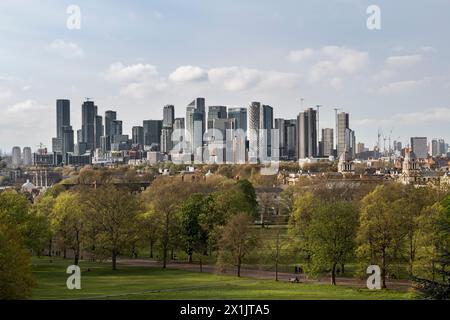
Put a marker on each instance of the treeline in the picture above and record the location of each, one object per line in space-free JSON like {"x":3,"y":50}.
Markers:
{"x":391,"y":226}
{"x":107,"y":221}
{"x":213,"y":218}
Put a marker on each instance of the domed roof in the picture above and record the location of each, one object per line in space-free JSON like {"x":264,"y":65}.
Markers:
{"x":28,"y":186}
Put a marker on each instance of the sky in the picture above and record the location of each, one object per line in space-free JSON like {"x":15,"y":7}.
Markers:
{"x":137,"y":56}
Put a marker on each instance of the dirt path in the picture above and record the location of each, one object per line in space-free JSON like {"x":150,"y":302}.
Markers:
{"x":401,"y":285}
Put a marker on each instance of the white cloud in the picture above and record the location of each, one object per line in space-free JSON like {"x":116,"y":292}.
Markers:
{"x":188,"y":74}
{"x":403,"y":61}
{"x":428,"y":49}
{"x":66,"y":49}
{"x":26,"y":106}
{"x":5,"y":94}
{"x":138,"y":80}
{"x":118,"y":72}
{"x":238,"y":78}
{"x":300,"y":55}
{"x":400,"y":87}
{"x":431,"y":115}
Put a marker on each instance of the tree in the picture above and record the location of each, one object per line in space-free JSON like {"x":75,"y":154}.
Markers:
{"x":250,"y":195}
{"x":299,"y":222}
{"x":332,"y":234}
{"x":438,"y":287}
{"x":382,"y":231}
{"x":16,"y":279}
{"x":68,"y":221}
{"x":150,"y":224}
{"x":237,"y":240}
{"x":193,"y":236}
{"x":164,"y":197}
{"x":266,"y":203}
{"x":114,"y":213}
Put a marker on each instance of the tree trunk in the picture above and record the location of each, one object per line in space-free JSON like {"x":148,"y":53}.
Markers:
{"x":201,"y":265}
{"x":151,"y":249}
{"x":114,"y":259}
{"x":383,"y":269}
{"x":64,"y":253}
{"x":333,"y":274}
{"x":50,"y":248}
{"x":190,"y":257}
{"x":164,"y":256}
{"x":342,"y":268}
{"x":239,"y":267}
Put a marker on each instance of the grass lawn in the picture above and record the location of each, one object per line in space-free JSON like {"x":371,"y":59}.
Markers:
{"x":155,"y":283}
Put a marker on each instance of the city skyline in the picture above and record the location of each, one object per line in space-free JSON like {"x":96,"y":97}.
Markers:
{"x":135,"y":58}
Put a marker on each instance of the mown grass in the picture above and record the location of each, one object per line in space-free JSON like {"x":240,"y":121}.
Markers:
{"x":144,"y":283}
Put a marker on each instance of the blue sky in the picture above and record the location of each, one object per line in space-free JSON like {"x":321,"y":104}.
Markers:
{"x":136,"y":56}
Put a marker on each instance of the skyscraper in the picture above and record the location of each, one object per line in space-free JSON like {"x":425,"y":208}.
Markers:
{"x":290,"y":138}
{"x":240,"y":114}
{"x":138,"y":135}
{"x":195,"y":124}
{"x":88,"y":117}
{"x":116,"y":128}
{"x":216,"y":112}
{"x":307,"y":134}
{"x":346,"y":140}
{"x":265,"y":133}
{"x":27,"y":158}
{"x":98,"y":130}
{"x":419,"y":146}
{"x":327,"y":142}
{"x":152,"y":133}
{"x":110,"y":116}
{"x":280,"y":126}
{"x":62,"y":116}
{"x":253,"y":123}
{"x":168,"y":116}
{"x":16,"y":157}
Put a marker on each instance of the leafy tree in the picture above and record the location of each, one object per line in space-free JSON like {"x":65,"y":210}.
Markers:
{"x":332,"y":234}
{"x":14,"y":209}
{"x":68,"y":221}
{"x":150,"y":225}
{"x":250,"y":195}
{"x":304,"y":207}
{"x":114,"y":212}
{"x":16,"y":279}
{"x":193,"y":236}
{"x":382,"y":232}
{"x":237,"y":240}
{"x":438,"y":287}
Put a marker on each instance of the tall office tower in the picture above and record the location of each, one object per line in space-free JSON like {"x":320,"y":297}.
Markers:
{"x":307,"y":134}
{"x":16,"y":157}
{"x":343,"y":124}
{"x":240,"y":114}
{"x":27,"y":158}
{"x":434,"y":148}
{"x":98,"y":130}
{"x":62,"y":120}
{"x":253,"y":123}
{"x":168,"y":116}
{"x":152,"y":133}
{"x":442,"y":147}
{"x":116,"y":128}
{"x":398,"y":146}
{"x":419,"y":146}
{"x":79,"y":136}
{"x":67,"y":141}
{"x":105,"y":143}
{"x":290,"y":138}
{"x":89,"y":112}
{"x":62,"y":116}
{"x":280,"y":125}
{"x":195,"y":124}
{"x":350,"y":142}
{"x":216,"y":112}
{"x":265,"y":133}
{"x":327,"y":142}
{"x":166,"y":139}
{"x":178,"y":123}
{"x":110,"y":116}
{"x":138,"y":135}
{"x":360,"y":147}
